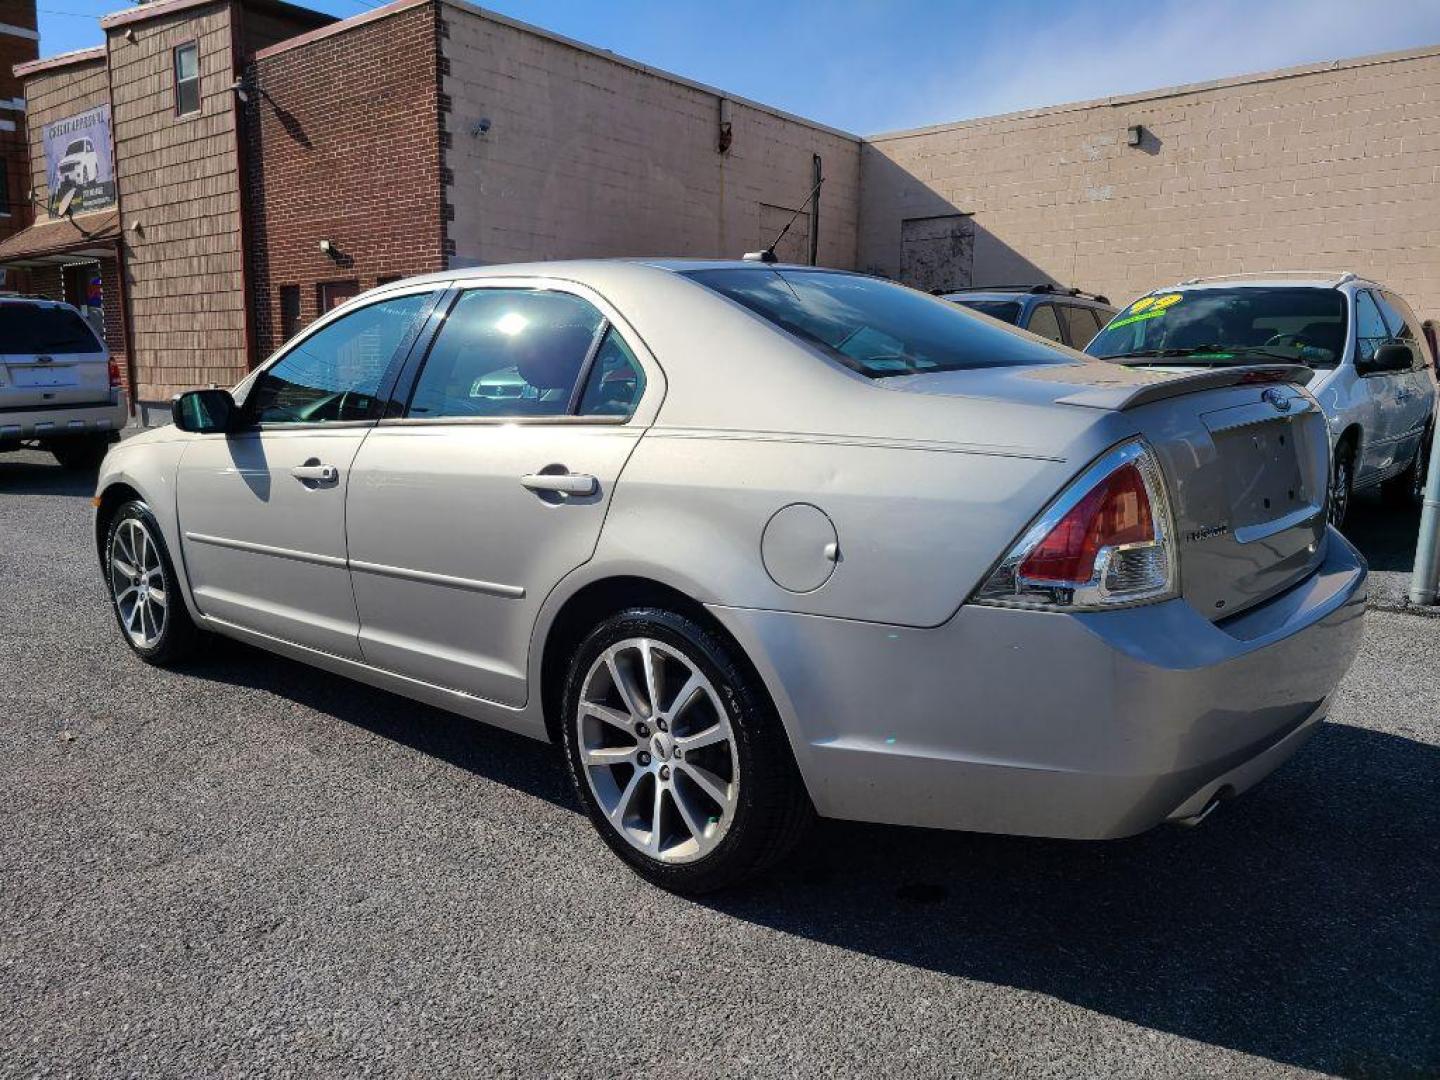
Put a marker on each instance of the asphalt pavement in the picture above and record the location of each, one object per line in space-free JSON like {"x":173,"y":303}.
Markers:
{"x":254,"y":868}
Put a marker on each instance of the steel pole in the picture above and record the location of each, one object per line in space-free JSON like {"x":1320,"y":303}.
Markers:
{"x":1424,"y":582}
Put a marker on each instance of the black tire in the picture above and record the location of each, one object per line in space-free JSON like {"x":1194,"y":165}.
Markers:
{"x":1408,"y":488}
{"x":81,"y":454}
{"x":771,"y":807}
{"x":1342,"y":485}
{"x":177,"y":637}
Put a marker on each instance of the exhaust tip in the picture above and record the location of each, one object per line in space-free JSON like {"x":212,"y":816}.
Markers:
{"x":1222,"y":793}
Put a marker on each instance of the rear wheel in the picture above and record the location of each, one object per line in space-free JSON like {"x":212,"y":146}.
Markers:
{"x":144,"y":591}
{"x":81,"y":454}
{"x":1408,"y":488}
{"x":677,"y":755}
{"x":1342,"y":485}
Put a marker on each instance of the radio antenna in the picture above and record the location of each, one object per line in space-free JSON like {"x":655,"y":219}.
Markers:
{"x":767,"y":255}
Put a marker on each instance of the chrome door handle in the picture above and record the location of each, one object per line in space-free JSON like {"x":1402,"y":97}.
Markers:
{"x":325,"y":474}
{"x":562,"y":483}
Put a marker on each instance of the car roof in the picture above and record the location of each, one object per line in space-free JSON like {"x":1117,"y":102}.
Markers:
{"x":1013,"y":297}
{"x":595,"y":271}
{"x":1308,"y":279}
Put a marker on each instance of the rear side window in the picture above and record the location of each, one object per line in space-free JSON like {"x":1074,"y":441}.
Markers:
{"x":507,"y":352}
{"x":1004,"y":310}
{"x":1044,"y":322}
{"x":1081,"y":323}
{"x":615,"y":382}
{"x":48,"y":331}
{"x":875,"y":327}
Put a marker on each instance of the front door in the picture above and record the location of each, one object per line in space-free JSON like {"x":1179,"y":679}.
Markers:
{"x":1383,"y":414}
{"x":465,"y":514}
{"x":262,"y":510}
{"x":1417,"y":401}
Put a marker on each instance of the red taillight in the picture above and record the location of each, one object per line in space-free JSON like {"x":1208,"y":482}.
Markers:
{"x":1115,"y":512}
{"x":115,"y":381}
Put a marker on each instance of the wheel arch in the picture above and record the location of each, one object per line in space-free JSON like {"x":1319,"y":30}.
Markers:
{"x":596,"y":600}
{"x":115,"y":495}
{"x":1352,"y":436}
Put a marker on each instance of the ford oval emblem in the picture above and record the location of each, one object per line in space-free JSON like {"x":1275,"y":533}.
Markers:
{"x":1277,"y":398}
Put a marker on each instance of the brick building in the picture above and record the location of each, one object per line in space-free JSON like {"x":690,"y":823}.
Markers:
{"x":269,"y":162}
{"x":19,"y":44}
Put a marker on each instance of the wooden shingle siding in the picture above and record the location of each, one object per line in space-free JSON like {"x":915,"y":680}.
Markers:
{"x":178,"y":183}
{"x":55,"y":95}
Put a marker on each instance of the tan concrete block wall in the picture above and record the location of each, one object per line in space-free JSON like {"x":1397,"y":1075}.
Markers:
{"x":590,"y":156}
{"x":1332,"y":168}
{"x":177,"y":178}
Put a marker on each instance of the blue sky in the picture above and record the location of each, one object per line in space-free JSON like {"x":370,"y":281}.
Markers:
{"x":870,"y":65}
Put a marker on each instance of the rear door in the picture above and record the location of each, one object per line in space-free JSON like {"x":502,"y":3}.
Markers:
{"x":49,"y":357}
{"x":464,"y":513}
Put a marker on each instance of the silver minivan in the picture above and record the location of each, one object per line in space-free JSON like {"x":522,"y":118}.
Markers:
{"x":1374,"y":371}
{"x":59,"y":388}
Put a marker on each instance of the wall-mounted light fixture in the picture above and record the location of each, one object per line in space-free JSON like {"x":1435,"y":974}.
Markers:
{"x":1135,"y":135}
{"x":240,"y":92}
{"x":482,"y":126}
{"x":327,"y":248}
{"x":129,"y":34}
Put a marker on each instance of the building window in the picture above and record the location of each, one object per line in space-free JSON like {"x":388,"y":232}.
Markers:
{"x":289,"y":311}
{"x":4,"y":187}
{"x":187,"y":78}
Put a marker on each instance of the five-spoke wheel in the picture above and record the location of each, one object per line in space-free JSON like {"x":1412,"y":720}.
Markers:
{"x":137,"y":583}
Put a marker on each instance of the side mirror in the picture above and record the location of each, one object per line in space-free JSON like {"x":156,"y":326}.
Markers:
{"x":1392,"y":356}
{"x":204,"y":412}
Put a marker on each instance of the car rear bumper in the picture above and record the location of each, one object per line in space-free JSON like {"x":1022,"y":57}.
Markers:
{"x":59,"y":422}
{"x":1085,"y":726}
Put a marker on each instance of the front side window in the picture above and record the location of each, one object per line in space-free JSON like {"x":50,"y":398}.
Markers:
{"x":187,"y":79}
{"x":336,"y":372}
{"x":1370,"y":329}
{"x":1402,"y":328}
{"x":1219,"y":325}
{"x":1044,"y":322}
{"x":874,"y":327}
{"x":507,"y":353}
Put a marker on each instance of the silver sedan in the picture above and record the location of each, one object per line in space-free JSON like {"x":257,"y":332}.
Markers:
{"x":756,"y":542}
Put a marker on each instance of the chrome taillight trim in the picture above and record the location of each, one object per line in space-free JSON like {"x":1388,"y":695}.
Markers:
{"x":1000,"y":585}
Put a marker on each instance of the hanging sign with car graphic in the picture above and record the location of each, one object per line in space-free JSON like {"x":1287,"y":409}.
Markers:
{"x":79,"y":162}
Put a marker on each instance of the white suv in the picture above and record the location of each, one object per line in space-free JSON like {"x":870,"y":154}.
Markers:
{"x":59,"y":389}
{"x":1374,"y":372}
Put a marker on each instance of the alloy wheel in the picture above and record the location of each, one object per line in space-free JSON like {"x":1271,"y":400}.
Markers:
{"x":657,"y":749}
{"x":137,"y":583}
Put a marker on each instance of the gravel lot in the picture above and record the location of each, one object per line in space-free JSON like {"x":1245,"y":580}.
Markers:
{"x":253,"y":868}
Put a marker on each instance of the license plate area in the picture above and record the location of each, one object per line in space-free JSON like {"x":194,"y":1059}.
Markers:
{"x":35,"y":378}
{"x":1264,"y":477}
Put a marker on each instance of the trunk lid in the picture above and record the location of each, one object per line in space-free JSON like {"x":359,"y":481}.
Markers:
{"x":1244,"y":450}
{"x":49,"y":356}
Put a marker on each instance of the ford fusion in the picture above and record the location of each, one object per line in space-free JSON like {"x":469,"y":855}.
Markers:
{"x":757,"y":542}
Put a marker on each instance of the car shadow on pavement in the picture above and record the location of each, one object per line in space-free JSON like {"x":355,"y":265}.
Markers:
{"x":1385,"y":535}
{"x":1299,"y":923}
{"x":29,"y":474}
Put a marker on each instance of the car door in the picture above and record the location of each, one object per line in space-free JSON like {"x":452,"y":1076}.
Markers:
{"x":1414,"y":388}
{"x":262,"y":509}
{"x":467,"y":510}
{"x":1378,"y":405}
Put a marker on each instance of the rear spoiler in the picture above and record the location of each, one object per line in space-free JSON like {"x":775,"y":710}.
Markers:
{"x":1120,"y":398}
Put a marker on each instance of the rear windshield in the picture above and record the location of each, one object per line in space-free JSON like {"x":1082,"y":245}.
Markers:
{"x":1004,"y":310}
{"x":876,"y":327}
{"x":50,"y":331}
{"x":1230,"y":326}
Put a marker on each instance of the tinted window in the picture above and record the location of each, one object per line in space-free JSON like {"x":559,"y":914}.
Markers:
{"x":875,"y":327}
{"x":1081,"y":323}
{"x":507,"y":352}
{"x":335,"y":373}
{"x":1242,"y":325}
{"x":615,"y":383}
{"x":49,"y":331}
{"x":1004,"y":310}
{"x":1370,"y":329}
{"x":1044,"y":322}
{"x":187,"y":79}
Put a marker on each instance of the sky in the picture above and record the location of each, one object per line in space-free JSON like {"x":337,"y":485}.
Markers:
{"x":867,"y":66}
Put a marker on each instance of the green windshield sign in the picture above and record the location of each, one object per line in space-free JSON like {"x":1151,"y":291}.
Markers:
{"x":1147,"y":307}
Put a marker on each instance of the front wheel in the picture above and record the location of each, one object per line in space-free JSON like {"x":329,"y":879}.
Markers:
{"x":677,"y":754}
{"x":1342,"y":486}
{"x":144,"y":590}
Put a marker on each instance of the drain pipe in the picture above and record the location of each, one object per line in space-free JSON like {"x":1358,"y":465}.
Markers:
{"x":1426,"y":579}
